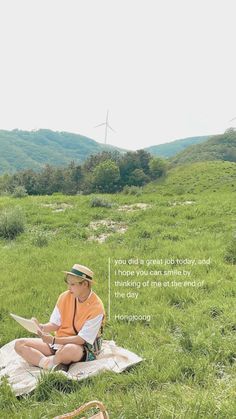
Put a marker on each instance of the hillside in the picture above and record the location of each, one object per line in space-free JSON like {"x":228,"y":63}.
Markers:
{"x":181,"y":321}
{"x":34,"y":149}
{"x":218,"y":147}
{"x":194,"y":178}
{"x":171,"y":148}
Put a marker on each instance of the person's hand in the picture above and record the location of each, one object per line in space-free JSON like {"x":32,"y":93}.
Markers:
{"x":39,"y":325}
{"x":46,"y":337}
{"x":35,"y":321}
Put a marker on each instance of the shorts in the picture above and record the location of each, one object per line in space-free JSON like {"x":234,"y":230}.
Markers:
{"x":90,"y":351}
{"x":88,"y":355}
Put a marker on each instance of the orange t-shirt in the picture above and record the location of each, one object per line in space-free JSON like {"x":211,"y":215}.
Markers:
{"x":74,"y":314}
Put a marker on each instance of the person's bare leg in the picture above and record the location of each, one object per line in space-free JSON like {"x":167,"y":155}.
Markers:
{"x":32,"y":350}
{"x":69,"y":353}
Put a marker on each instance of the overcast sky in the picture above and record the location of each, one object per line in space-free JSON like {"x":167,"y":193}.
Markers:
{"x":165,"y":69}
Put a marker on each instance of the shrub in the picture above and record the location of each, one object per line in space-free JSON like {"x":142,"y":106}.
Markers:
{"x":40,"y":239}
{"x":106,"y":176}
{"x":132,"y":190}
{"x":144,"y":234}
{"x":12,"y":223}
{"x":98,"y":202}
{"x":19,"y":192}
{"x":138,"y":178}
{"x":230,"y":255}
{"x":158,"y":167}
{"x":5,"y":193}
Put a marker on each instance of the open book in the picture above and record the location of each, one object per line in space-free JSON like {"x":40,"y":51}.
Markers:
{"x":28,"y":324}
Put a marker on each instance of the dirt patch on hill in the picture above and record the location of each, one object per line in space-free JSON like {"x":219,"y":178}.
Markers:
{"x":57,"y":207}
{"x":109,"y":226}
{"x":134,"y":207}
{"x":182,"y":203}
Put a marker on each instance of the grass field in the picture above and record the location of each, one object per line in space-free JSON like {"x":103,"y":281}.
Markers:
{"x":186,"y":333}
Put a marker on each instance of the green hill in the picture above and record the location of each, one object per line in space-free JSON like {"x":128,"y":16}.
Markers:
{"x":194,"y":178}
{"x":218,"y":147}
{"x":34,"y":149}
{"x":174,"y":147}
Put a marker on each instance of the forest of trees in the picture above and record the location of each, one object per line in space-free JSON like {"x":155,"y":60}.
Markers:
{"x":104,"y":172}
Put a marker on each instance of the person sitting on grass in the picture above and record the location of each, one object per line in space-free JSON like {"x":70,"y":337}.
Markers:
{"x":77,"y":320}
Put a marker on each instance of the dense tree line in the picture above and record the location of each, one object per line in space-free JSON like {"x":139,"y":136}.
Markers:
{"x":104,"y":172}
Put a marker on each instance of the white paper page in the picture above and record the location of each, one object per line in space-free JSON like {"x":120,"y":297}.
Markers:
{"x":26,"y":323}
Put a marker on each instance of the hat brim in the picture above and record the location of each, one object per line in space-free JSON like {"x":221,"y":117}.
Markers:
{"x":80,"y":278}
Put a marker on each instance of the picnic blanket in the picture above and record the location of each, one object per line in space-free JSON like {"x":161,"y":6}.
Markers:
{"x":23,"y":377}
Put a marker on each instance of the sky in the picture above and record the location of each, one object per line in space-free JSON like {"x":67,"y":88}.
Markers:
{"x":165,"y":69}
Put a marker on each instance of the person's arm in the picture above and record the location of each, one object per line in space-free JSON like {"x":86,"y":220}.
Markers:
{"x":47,"y":327}
{"x":60,"y":340}
{"x":90,"y":329}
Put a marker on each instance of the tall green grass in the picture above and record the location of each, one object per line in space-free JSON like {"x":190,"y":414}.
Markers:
{"x":188,"y":346}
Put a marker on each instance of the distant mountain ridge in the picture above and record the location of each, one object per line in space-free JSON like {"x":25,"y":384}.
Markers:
{"x":33,"y":149}
{"x":171,"y":148}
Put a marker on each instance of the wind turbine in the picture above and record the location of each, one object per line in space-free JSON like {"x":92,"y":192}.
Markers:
{"x":107,"y":126}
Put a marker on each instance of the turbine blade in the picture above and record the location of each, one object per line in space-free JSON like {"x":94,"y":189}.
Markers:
{"x":104,"y":123}
{"x":110,"y":127}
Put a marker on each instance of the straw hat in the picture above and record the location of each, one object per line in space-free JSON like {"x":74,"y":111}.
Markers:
{"x":81,"y":272}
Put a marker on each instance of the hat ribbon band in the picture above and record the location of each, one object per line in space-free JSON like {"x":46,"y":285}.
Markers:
{"x":79,"y":273}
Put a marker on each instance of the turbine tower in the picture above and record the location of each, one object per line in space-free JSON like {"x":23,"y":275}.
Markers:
{"x":106,"y":126}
